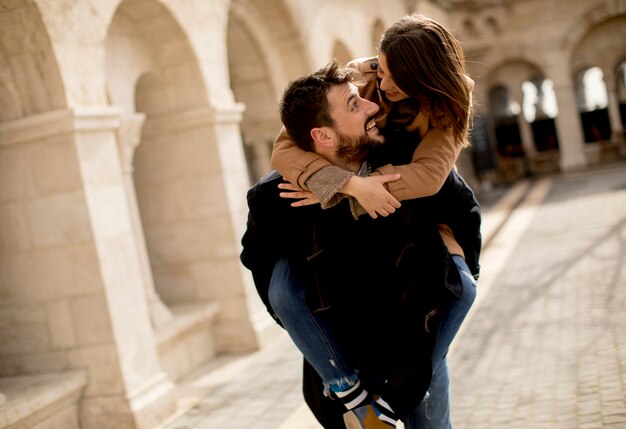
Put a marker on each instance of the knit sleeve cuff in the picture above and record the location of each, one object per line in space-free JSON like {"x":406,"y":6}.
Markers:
{"x":326,"y":183}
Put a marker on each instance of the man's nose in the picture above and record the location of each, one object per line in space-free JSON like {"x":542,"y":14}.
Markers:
{"x":372,"y":108}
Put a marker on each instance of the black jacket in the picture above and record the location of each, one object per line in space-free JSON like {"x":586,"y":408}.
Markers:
{"x":386,"y":278}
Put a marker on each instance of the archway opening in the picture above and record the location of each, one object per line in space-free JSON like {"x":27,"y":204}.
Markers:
{"x":505,"y":115}
{"x":251,"y":83}
{"x":593,"y":105}
{"x":262,"y":59}
{"x":539,"y":108}
{"x":153,"y":76}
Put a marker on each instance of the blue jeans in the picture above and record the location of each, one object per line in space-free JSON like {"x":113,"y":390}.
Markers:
{"x":310,"y":333}
{"x":434,"y":411}
{"x":315,"y":340}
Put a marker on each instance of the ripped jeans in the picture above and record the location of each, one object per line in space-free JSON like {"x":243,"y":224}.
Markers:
{"x":310,"y":333}
{"x":314,"y":339}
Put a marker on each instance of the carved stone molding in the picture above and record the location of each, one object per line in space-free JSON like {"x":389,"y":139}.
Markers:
{"x":128,"y":138}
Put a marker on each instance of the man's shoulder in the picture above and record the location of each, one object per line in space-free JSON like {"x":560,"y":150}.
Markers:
{"x":264,"y":200}
{"x":268,"y":182}
{"x":271,"y":177}
{"x":265,"y":191}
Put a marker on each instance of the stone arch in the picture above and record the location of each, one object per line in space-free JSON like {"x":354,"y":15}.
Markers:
{"x":10,"y":103}
{"x":515,"y":136}
{"x":151,"y":71}
{"x":592,"y":17}
{"x":30,"y":80}
{"x":42,"y":212}
{"x":511,"y":73}
{"x":341,"y":52}
{"x":174,"y":173}
{"x":262,"y":58}
{"x":145,"y":37}
{"x":602,"y":45}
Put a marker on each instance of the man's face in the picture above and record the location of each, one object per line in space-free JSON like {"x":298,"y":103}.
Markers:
{"x":354,"y":122}
{"x":355,"y":149}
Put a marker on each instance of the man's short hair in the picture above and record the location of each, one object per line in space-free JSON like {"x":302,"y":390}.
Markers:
{"x":304,"y":104}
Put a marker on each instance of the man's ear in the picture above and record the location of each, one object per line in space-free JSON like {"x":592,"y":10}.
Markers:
{"x":323,"y":137}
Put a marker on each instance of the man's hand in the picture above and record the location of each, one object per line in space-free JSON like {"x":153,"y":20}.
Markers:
{"x":371,"y":193}
{"x":305,"y":198}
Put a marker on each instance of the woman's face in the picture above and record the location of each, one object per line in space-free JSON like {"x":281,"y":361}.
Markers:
{"x":392,"y":92}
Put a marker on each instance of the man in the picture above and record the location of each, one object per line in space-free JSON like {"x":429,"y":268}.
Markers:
{"x":345,"y":263}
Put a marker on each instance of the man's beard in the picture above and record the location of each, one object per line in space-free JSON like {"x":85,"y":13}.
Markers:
{"x":355,"y":149}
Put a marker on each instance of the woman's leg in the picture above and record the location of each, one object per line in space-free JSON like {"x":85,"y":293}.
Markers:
{"x":434,"y":411}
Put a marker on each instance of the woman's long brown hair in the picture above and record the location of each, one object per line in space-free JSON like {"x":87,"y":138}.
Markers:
{"x":427,"y":63}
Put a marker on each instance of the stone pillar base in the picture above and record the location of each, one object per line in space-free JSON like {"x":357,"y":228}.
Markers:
{"x":144,"y":409}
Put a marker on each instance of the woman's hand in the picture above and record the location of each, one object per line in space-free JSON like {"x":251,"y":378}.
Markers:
{"x":305,"y":198}
{"x":371,"y":193}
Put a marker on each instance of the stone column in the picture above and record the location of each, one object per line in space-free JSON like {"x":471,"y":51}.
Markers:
{"x":216,"y":273}
{"x":526,"y":134}
{"x":141,"y":383}
{"x":233,"y":161}
{"x":617,"y":129}
{"x":128,"y":138}
{"x":568,"y":126}
{"x":234,"y":170}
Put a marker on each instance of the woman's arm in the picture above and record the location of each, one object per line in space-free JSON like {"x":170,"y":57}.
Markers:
{"x":294,"y":164}
{"x":298,"y":166}
{"x":431,"y":163}
{"x":433,"y":159}
{"x":328,"y":183}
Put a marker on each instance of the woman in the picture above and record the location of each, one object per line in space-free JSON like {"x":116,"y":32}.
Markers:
{"x":420,"y":83}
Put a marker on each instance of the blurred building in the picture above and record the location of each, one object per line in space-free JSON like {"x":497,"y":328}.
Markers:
{"x":550,"y":83}
{"x":130,"y":131}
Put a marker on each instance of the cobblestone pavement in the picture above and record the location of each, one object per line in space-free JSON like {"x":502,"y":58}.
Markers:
{"x":257,"y":391}
{"x":543,"y":347}
{"x":546,"y":348}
